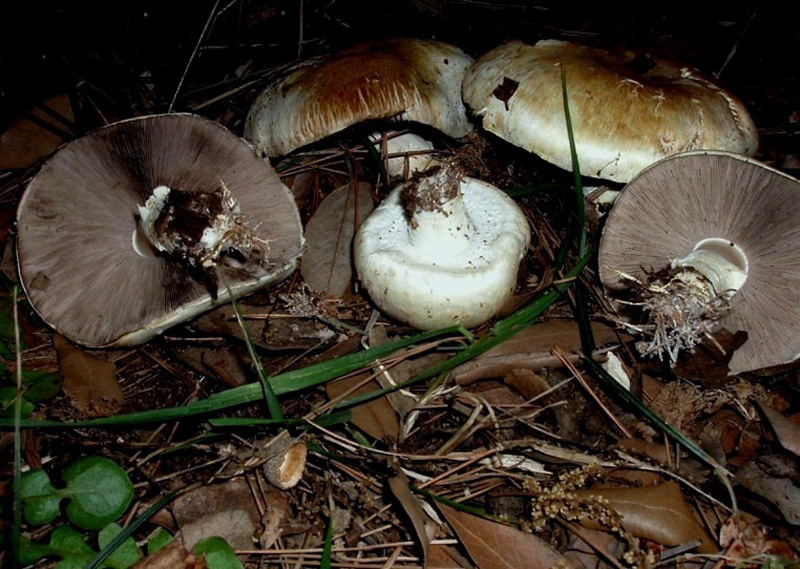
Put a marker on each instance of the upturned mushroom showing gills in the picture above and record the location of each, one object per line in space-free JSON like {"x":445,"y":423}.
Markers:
{"x":148,"y":222}
{"x":709,"y":239}
{"x":623,"y":120}
{"x":401,"y":79}
{"x":442,"y":249}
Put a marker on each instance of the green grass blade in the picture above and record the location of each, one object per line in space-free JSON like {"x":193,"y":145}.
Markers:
{"x":287,"y":382}
{"x":579,"y":308}
{"x":327,"y":548}
{"x":580,"y":211}
{"x":270,"y":398}
{"x":97,"y":562}
{"x":535,"y":189}
{"x":629,"y":397}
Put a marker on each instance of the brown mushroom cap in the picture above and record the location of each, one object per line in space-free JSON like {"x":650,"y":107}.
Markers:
{"x":408,"y":79}
{"x":675,"y":204}
{"x":623,"y":121}
{"x":78,"y":216}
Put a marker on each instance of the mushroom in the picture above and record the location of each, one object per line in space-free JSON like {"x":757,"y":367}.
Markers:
{"x":711,"y":239}
{"x":443,"y":249}
{"x":404,"y":79}
{"x":623,"y":121}
{"x":148,"y":222}
{"x":405,"y":153}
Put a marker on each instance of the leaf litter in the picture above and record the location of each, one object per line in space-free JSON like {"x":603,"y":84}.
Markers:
{"x":497,"y":436}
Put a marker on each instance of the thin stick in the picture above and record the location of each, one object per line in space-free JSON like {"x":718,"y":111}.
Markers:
{"x":194,"y":52}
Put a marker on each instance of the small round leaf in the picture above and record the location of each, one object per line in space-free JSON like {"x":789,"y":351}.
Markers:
{"x":99,"y":492}
{"x":39,"y":498}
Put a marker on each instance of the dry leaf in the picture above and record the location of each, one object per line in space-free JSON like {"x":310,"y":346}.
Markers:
{"x":446,"y":557}
{"x":786,"y":430}
{"x":496,"y":546}
{"x":408,"y":501}
{"x":530,"y":349}
{"x":25,"y":141}
{"x":706,"y":363}
{"x":193,"y":505}
{"x":89,"y":382}
{"x":658,"y":513}
{"x":234,"y":526}
{"x":228,"y":365}
{"x":781,"y":492}
{"x":377,"y":418}
{"x":327,"y":264}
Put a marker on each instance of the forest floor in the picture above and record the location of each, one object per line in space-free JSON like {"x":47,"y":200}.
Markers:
{"x":522,"y":456}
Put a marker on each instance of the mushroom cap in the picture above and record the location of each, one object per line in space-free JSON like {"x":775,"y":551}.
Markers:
{"x":623,"y":121}
{"x":408,"y":79}
{"x":77,"y":218}
{"x":433,"y":290}
{"x":676,"y":203}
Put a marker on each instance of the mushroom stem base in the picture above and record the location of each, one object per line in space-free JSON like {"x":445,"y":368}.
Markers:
{"x":679,"y":311}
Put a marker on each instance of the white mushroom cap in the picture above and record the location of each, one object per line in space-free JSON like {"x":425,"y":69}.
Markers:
{"x":406,"y":153}
{"x":623,"y":121}
{"x":454,"y":263}
{"x":85,"y":264}
{"x":718,"y":204}
{"x":405,"y":79}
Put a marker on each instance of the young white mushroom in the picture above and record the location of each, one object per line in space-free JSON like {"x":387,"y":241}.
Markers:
{"x":442,"y":249}
{"x":406,"y":153}
{"x":709,"y":239}
{"x":623,"y":119}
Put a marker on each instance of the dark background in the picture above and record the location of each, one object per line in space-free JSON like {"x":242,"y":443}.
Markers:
{"x":129,"y":57}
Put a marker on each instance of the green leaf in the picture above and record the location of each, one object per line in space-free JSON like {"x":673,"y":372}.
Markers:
{"x":125,"y":555}
{"x":158,"y":540}
{"x":68,"y":544}
{"x":6,"y":321}
{"x":217,"y":553}
{"x":30,"y":552}
{"x":6,"y":351}
{"x":40,"y":385}
{"x":7,"y":396}
{"x":99,"y":492}
{"x":40,"y":500}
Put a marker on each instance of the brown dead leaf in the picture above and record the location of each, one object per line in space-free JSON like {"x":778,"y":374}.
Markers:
{"x":446,"y":557}
{"x":326,"y":265}
{"x":89,"y":382}
{"x":531,"y":349}
{"x":780,"y":491}
{"x":193,"y":505}
{"x":377,"y":418}
{"x":229,"y":365}
{"x":658,"y":513}
{"x":399,"y":373}
{"x":26,"y":141}
{"x":706,"y":363}
{"x":496,"y":546}
{"x":398,"y":485}
{"x":526,"y":382}
{"x":234,"y":526}
{"x":787,"y":431}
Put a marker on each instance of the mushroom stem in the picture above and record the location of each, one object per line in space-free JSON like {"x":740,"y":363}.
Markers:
{"x":685,"y":308}
{"x":722,"y":263}
{"x":438,"y":218}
